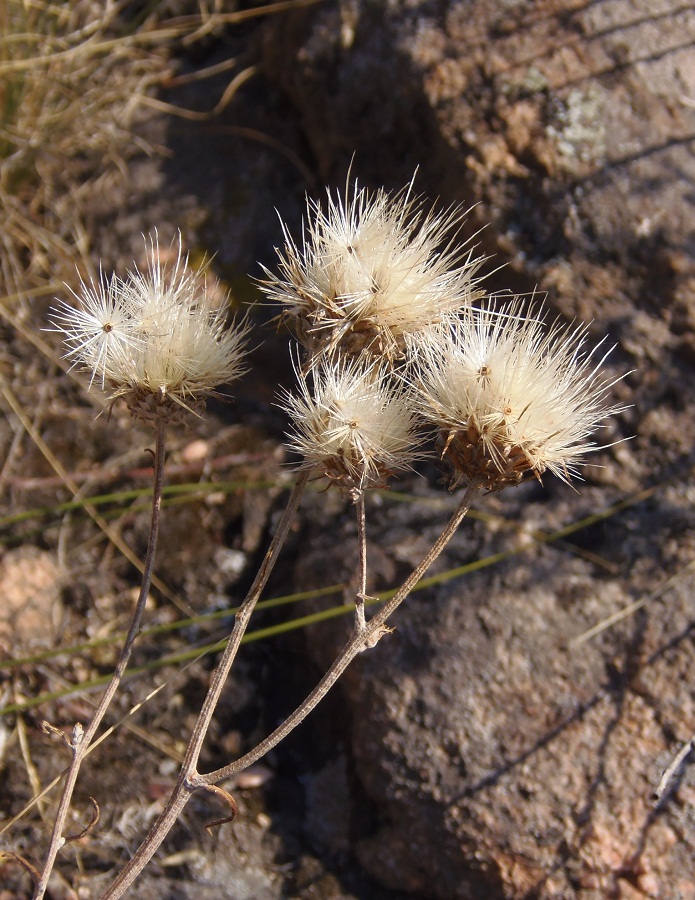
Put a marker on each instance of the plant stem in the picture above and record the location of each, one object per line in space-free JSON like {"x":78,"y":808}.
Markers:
{"x":360,"y":640}
{"x":379,"y":620}
{"x":81,"y":740}
{"x":189,"y":781}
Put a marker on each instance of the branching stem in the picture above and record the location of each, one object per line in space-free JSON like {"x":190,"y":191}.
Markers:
{"x":375,"y":629}
{"x":81,"y":740}
{"x":189,"y":781}
{"x":363,"y":638}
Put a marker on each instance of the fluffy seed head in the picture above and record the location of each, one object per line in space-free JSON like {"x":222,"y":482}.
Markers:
{"x":158,"y":338}
{"x":100,"y":328}
{"x":372,"y":269}
{"x":511,"y":396}
{"x":352,"y":423}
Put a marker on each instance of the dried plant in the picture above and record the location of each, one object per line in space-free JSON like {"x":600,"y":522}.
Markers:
{"x":158,"y":341}
{"x":507,"y":397}
{"x":372,"y":269}
{"x":353,"y":422}
{"x":75,"y":81}
{"x":511,"y":396}
{"x":71,"y":76}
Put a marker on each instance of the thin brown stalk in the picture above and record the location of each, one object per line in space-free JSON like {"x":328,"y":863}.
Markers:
{"x":89,"y":508}
{"x":189,"y":781}
{"x":81,"y":739}
{"x":361,"y":595}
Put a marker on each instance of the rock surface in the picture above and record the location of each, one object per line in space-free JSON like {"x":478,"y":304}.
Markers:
{"x":32,"y":608}
{"x":503,"y":759}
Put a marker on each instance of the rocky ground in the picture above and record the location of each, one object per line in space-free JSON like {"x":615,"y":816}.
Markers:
{"x":480,"y":751}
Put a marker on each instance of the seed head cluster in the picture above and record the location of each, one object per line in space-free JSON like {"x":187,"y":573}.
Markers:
{"x":158,"y":339}
{"x":507,"y":395}
{"x":397,"y":338}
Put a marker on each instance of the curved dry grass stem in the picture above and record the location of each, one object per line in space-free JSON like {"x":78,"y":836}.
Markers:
{"x":81,"y":739}
{"x":189,"y":28}
{"x":672,"y":769}
{"x":195,"y":115}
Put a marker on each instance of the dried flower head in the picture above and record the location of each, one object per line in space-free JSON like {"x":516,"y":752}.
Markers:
{"x":158,"y":338}
{"x":372,"y":268}
{"x":99,"y":328}
{"x":352,"y":423}
{"x":511,"y":396}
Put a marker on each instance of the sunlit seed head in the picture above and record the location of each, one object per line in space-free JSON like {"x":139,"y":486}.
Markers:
{"x":164,"y":289}
{"x":158,"y":338}
{"x":352,"y":423}
{"x":98,"y":328}
{"x":183,"y":364}
{"x":372,"y":268}
{"x":511,"y":395}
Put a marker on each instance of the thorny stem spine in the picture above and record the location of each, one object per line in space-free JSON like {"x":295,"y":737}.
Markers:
{"x":189,"y":781}
{"x":81,"y":741}
{"x":362,"y":639}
